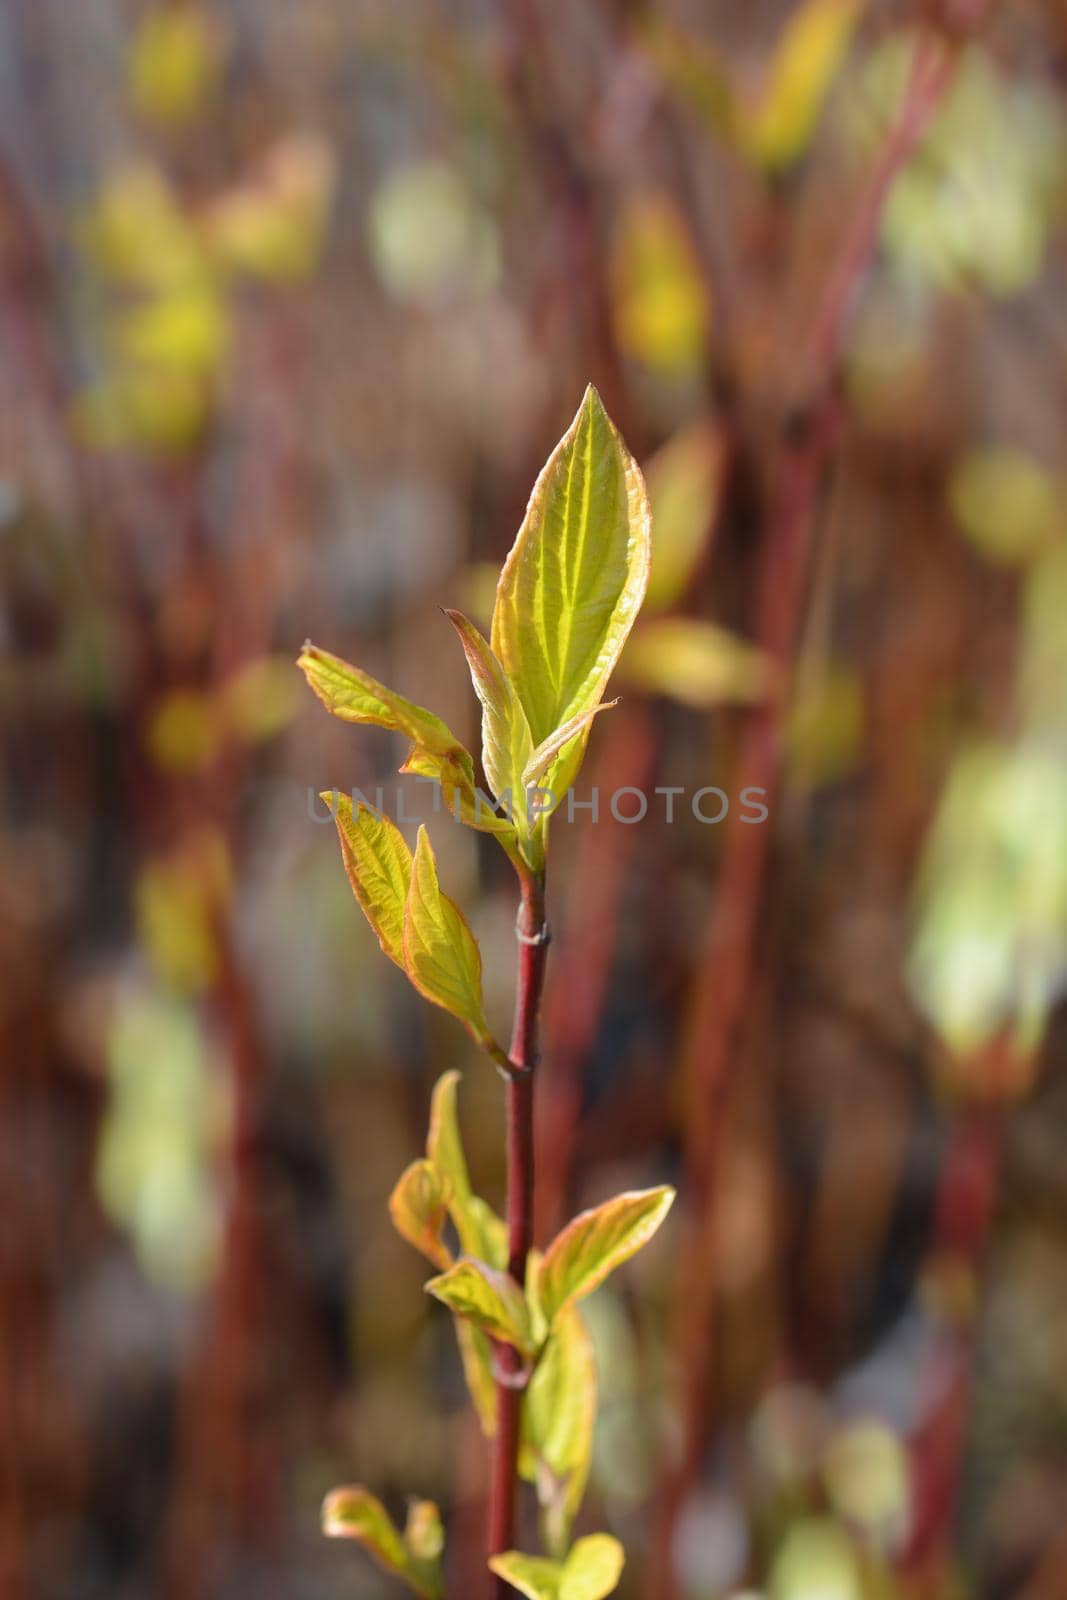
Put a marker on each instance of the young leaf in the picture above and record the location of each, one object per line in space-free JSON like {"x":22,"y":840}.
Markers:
{"x":354,"y":696}
{"x":419,"y":1208}
{"x":593,"y":1568}
{"x":487,"y":1298}
{"x":506,"y":741}
{"x":481,"y":1232}
{"x":558,"y":1422}
{"x":576,"y":575}
{"x":462,"y":797}
{"x":806,"y":60}
{"x":685,"y":480}
{"x":378,"y":863}
{"x":477,"y":1362}
{"x":441,"y":956}
{"x":424,"y":1533}
{"x":444,"y":1146}
{"x":550,"y":748}
{"x":355,"y":1513}
{"x":591,"y":1571}
{"x":533,"y":1576}
{"x":697,"y":663}
{"x":595,"y":1243}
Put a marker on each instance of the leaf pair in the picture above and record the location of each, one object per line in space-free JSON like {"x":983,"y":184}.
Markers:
{"x":418,"y":926}
{"x":436,"y":754}
{"x":591,"y":1571}
{"x":414,"y":1555}
{"x":567,"y":598}
{"x":576,"y":1263}
{"x":571,"y":589}
{"x":429,"y":1194}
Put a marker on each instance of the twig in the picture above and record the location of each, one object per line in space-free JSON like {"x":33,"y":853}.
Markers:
{"x":726,"y":966}
{"x":533,"y":952}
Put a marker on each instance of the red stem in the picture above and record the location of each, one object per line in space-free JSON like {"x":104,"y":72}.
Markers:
{"x":533,"y":951}
{"x":726,"y":968}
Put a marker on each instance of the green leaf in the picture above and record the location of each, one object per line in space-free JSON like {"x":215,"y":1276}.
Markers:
{"x":444,"y":1146}
{"x":419,"y":1208}
{"x":806,"y":61}
{"x":576,"y":575}
{"x":550,"y":748}
{"x":595,"y":1243}
{"x":355,"y":1513}
{"x":477,"y":1361}
{"x":441,"y":956}
{"x":506,"y":741}
{"x":684,"y":480}
{"x":591,"y":1571}
{"x":558,"y":1423}
{"x":354,"y":696}
{"x":488,"y":1298}
{"x":533,"y":1576}
{"x":378,"y":863}
{"x":481,"y":1232}
{"x":697,"y":663}
{"x":593,"y":1568}
{"x":436,"y":753}
{"x":424,"y":1533}
{"x":462,"y":797}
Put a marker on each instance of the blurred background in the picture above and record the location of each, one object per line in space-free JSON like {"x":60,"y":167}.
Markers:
{"x":294,"y":301}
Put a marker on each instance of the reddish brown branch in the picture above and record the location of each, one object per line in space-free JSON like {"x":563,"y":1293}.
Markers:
{"x":533,"y":952}
{"x":725,"y":970}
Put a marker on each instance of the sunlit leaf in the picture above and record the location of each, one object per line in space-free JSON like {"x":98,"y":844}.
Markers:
{"x":175,"y":59}
{"x":488,"y":1298}
{"x":662,"y":314}
{"x":379,"y":867}
{"x":441,"y":956}
{"x":179,"y":897}
{"x":273,"y":225}
{"x":1006,"y":503}
{"x":136,"y":233}
{"x":355,"y":1513}
{"x":428,"y":236}
{"x":481,"y":1232}
{"x":533,"y":1576}
{"x":478,"y":1371}
{"x":816,"y":1557}
{"x":184,"y":731}
{"x":865,"y":1469}
{"x":592,"y":1569}
{"x":160,"y":1148}
{"x":185,"y":330}
{"x":976,"y":208}
{"x":418,"y":1206}
{"x":576,"y":575}
{"x":684,"y":483}
{"x":989,"y":947}
{"x":506,"y":742}
{"x":424,"y":1532}
{"x":547,"y":751}
{"x":462,"y":798}
{"x":558,"y":1422}
{"x":260,"y":699}
{"x":596,"y":1242}
{"x":695,"y":662}
{"x":778,"y":129}
{"x":163,"y":412}
{"x":354,"y":696}
{"x":824,"y":729}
